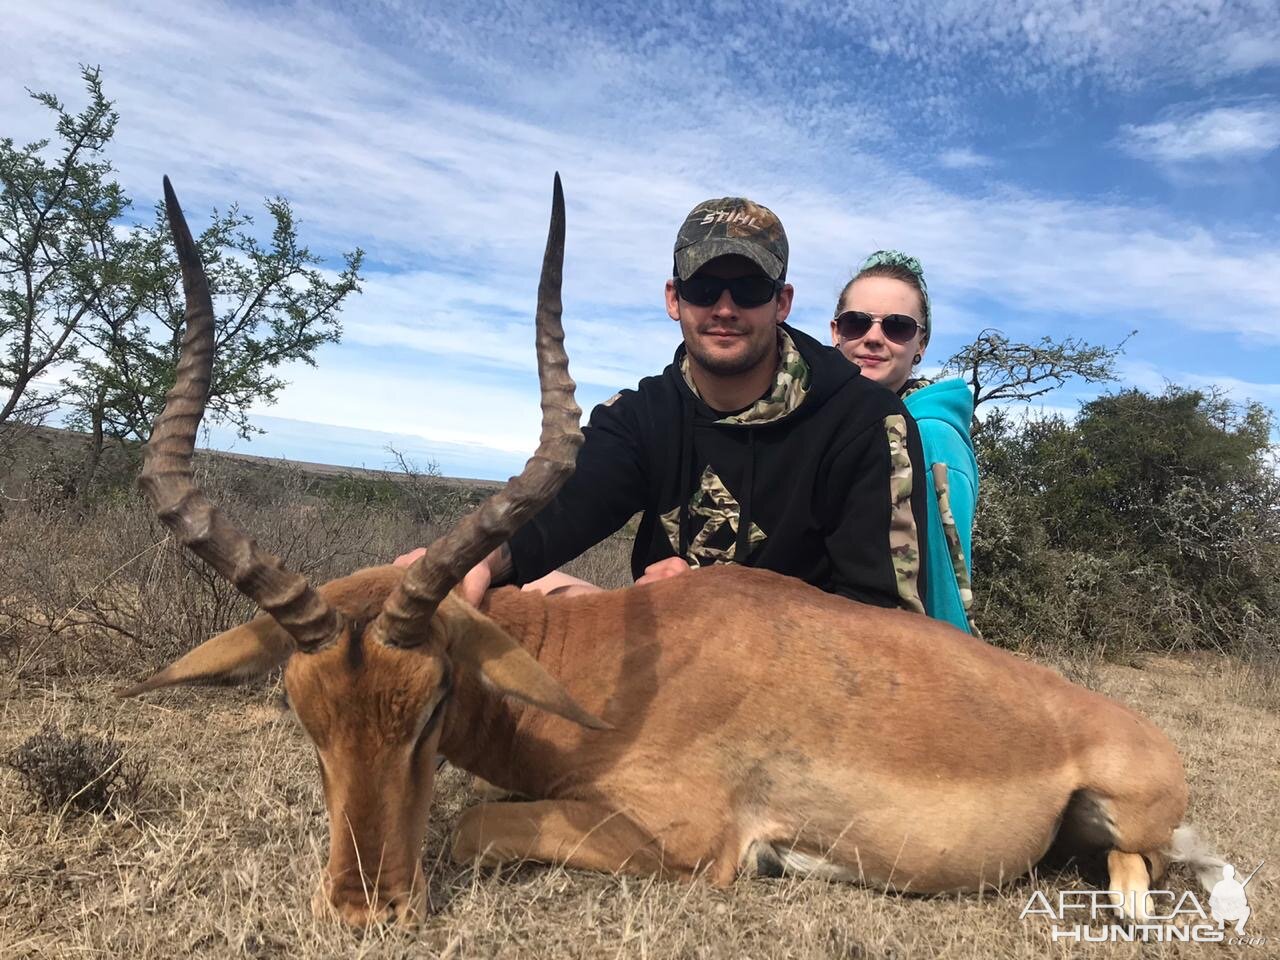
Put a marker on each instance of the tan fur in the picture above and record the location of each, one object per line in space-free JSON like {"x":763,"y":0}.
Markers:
{"x":742,"y":712}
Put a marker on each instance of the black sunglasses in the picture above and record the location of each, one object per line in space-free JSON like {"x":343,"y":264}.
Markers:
{"x":854,"y":325}
{"x":752,"y":291}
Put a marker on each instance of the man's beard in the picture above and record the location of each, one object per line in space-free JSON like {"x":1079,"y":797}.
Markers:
{"x":722,"y":366}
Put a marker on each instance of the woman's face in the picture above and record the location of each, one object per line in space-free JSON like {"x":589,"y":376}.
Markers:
{"x":880,"y":358}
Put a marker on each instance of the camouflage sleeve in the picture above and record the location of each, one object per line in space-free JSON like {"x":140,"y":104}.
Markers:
{"x":955,"y":548}
{"x":606,"y":489}
{"x":876,"y":544}
{"x":905,"y":546}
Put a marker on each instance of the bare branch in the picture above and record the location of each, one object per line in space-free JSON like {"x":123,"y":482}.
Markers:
{"x":997,"y":369}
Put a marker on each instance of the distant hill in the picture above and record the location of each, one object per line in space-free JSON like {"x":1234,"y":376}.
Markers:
{"x":26,"y":452}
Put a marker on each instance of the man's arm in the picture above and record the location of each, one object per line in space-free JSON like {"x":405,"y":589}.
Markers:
{"x":877,"y":545}
{"x":606,"y":490}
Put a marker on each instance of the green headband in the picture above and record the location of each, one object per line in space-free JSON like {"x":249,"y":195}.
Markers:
{"x":896,"y":258}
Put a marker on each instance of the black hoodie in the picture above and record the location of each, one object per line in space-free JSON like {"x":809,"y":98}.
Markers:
{"x":826,"y":491}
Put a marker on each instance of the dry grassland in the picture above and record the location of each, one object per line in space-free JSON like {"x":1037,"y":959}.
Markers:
{"x":219,"y":857}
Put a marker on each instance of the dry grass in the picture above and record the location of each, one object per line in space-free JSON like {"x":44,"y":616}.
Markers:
{"x":219,"y":856}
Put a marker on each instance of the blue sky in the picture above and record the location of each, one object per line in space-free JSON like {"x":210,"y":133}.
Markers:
{"x":1082,"y":168}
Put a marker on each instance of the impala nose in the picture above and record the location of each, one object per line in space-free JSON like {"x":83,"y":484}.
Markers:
{"x":408,"y":910}
{"x":358,"y":910}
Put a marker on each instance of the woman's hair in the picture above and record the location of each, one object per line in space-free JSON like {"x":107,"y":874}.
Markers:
{"x":895,"y":265}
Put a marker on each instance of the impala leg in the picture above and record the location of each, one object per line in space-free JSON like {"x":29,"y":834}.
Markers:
{"x":1130,"y":881}
{"x":1136,"y":797}
{"x":569,"y":832}
{"x":489,"y":793}
{"x":1157,"y":863}
{"x":1132,"y":874}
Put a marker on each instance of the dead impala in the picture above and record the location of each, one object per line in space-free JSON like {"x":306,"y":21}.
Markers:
{"x":724,"y":721}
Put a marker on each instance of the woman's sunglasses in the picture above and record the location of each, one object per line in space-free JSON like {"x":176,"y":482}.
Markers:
{"x":854,"y":325}
{"x":753,"y":291}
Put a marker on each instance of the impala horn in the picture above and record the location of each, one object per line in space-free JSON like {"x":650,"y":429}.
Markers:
{"x":411,"y":605}
{"x":182,"y":507}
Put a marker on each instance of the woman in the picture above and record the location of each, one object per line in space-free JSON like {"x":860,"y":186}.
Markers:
{"x":882,"y":324}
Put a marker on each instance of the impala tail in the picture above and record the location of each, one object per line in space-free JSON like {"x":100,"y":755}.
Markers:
{"x":1188,"y":847}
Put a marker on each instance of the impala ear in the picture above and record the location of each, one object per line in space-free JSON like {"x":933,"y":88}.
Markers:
{"x":239,"y":654}
{"x":478,"y":643}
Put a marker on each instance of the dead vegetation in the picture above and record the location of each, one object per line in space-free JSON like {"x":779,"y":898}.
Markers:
{"x":219,"y":858}
{"x":216,"y":857}
{"x":77,"y":772}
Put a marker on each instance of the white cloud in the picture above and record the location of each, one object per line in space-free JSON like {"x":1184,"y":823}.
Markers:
{"x":1027,"y":412}
{"x":963,"y":158}
{"x":449,"y":407}
{"x":929,"y":50}
{"x":1247,"y":51}
{"x":1245,"y":132}
{"x":452,"y":320}
{"x":428,"y":135}
{"x":1241,"y":391}
{"x":1142,"y":374}
{"x":1153,"y":379}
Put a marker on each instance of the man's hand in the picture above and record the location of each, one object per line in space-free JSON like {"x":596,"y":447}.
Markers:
{"x":476,"y":580}
{"x":406,"y":559}
{"x":670,"y":567}
{"x":496,"y":566}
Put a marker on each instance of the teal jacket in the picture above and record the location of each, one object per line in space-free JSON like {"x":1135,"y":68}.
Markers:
{"x":943,"y":411}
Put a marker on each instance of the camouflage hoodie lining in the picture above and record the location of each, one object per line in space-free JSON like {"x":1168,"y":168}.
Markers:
{"x":911,"y":386}
{"x":790,"y":385}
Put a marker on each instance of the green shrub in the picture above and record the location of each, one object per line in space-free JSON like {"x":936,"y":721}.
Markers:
{"x":1151,"y":523}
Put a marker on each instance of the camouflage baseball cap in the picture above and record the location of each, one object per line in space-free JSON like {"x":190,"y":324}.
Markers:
{"x":731,"y":225}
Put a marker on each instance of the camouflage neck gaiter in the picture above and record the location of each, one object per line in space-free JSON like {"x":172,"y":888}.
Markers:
{"x":911,"y":386}
{"x":790,"y":385}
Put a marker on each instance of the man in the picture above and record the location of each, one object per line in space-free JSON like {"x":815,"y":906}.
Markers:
{"x":757,"y":445}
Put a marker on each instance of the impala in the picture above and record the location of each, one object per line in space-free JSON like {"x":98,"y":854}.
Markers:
{"x":721,"y":722}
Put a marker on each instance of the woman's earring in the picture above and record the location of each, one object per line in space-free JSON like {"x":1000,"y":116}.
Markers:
{"x":916,"y":360}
